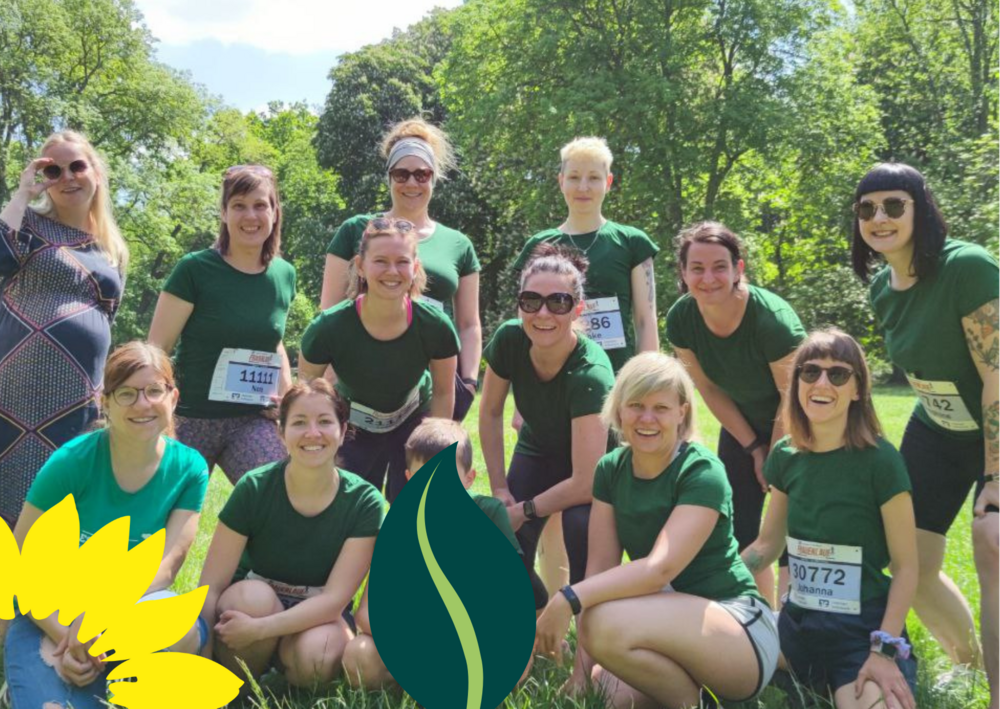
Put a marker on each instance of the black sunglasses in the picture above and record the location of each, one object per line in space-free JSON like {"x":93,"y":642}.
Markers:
{"x":403,"y":226}
{"x":557,"y":303}
{"x":894,"y":207}
{"x":54,"y":172}
{"x":401,"y":175}
{"x":836,"y":375}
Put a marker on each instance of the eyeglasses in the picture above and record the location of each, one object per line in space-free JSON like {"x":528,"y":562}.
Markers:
{"x":54,"y":172}
{"x":557,"y":303}
{"x":154,"y":393}
{"x":894,"y":207}
{"x":256,"y":169}
{"x":378,"y":224}
{"x":401,"y":175}
{"x":836,"y":375}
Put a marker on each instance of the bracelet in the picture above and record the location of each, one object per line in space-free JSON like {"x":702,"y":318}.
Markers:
{"x":574,"y":600}
{"x":754,"y":445}
{"x":472,"y":382}
{"x":991,"y":478}
{"x":881,"y":641}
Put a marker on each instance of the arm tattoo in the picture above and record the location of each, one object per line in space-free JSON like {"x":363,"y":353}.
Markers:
{"x":991,"y":432}
{"x":981,"y":334}
{"x":753,"y":560}
{"x":650,"y":282}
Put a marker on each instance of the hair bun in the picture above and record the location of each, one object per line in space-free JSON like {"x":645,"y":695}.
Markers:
{"x":569,"y":253}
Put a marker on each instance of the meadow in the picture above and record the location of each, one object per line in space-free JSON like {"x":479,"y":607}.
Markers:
{"x":938,"y":687}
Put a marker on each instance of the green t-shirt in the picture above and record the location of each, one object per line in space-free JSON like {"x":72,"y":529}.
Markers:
{"x":82,"y":467}
{"x":231,"y":309}
{"x":613,"y":251}
{"x":337,"y":337}
{"x":695,"y":477}
{"x":740,"y":363}
{"x":925,"y":338}
{"x":836,"y":498}
{"x":497,"y":513}
{"x":447,"y":256}
{"x":548,"y":408}
{"x":283,"y":545}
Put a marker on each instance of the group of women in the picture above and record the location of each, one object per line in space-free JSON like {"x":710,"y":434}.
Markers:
{"x":399,"y":339}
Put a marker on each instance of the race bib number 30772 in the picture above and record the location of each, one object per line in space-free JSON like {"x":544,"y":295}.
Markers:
{"x":825,"y":577}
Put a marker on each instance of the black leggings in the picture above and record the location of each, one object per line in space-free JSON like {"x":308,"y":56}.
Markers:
{"x":748,"y":498}
{"x":528,"y":477}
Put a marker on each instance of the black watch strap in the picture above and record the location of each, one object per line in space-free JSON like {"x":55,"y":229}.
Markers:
{"x":574,"y":600}
{"x":529,"y":509}
{"x":754,"y":445}
{"x":472,"y":382}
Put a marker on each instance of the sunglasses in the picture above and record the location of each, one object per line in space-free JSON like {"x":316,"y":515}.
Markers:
{"x":154,"y":393}
{"x":256,"y":169}
{"x":894,"y":207}
{"x":836,"y":375}
{"x":401,"y":175}
{"x":54,"y":172}
{"x":557,"y":303}
{"x":378,"y":224}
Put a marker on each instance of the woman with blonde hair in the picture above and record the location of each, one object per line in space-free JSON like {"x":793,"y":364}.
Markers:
{"x":840,"y":501}
{"x":62,"y":270}
{"x":417,"y":155}
{"x":683,"y":615}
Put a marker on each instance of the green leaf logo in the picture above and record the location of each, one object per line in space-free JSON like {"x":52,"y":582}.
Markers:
{"x":450,"y":605}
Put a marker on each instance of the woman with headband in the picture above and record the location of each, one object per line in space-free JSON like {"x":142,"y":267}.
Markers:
{"x":417,"y":155}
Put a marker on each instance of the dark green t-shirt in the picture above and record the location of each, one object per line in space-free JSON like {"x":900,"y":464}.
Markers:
{"x":613,"y":251}
{"x":548,"y":408}
{"x":380,"y":374}
{"x":925,"y":338}
{"x":447,"y":256}
{"x":835,"y":498}
{"x":497,"y":513}
{"x":695,"y":477}
{"x":283,"y":545}
{"x":231,"y":309}
{"x":82,"y":467}
{"x":740,"y":363}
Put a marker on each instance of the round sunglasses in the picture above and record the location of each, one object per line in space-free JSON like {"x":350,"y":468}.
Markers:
{"x":557,"y":303}
{"x":894,"y":207}
{"x":836,"y":375}
{"x":401,"y":175}
{"x":54,"y":172}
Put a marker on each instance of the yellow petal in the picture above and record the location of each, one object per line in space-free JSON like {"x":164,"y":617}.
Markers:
{"x":151,"y":626}
{"x":167,"y":680}
{"x":10,"y":560}
{"x":49,"y":550}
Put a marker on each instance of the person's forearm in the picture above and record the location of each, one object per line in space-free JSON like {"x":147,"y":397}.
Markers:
{"x":573,"y":491}
{"x":310,"y":613}
{"x":636,"y":578}
{"x":443,"y":399}
{"x":991,"y":422}
{"x":760,"y":555}
{"x":13,"y":214}
{"x":779,"y":424}
{"x":647,"y":337}
{"x":471,"y":339}
{"x":901,"y":593}
{"x":491,"y":441}
{"x":728,"y":414}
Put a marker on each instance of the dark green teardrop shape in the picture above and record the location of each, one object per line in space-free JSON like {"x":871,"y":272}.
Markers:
{"x":450,"y":605}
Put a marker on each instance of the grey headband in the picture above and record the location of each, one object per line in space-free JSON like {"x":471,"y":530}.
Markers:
{"x":410,"y":146}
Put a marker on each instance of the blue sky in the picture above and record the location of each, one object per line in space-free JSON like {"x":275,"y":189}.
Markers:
{"x":250,"y":52}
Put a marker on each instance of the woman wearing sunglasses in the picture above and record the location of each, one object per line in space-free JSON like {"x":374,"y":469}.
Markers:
{"x":417,"y":155}
{"x":737,"y":341}
{"x":225,"y":309}
{"x":130,"y":468}
{"x":393,"y":355}
{"x":683,"y":614}
{"x":560,"y":378}
{"x":840,"y":499}
{"x":936,"y":303}
{"x":62,"y":267}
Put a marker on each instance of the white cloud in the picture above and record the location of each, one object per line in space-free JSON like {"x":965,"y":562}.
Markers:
{"x":291,"y":26}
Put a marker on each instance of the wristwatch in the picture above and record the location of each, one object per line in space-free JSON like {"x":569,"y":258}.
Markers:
{"x":754,"y":445}
{"x":574,"y":600}
{"x":529,"y":509}
{"x":879,"y":647}
{"x":472,"y":382}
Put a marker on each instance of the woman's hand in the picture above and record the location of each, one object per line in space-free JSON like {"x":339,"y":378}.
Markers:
{"x":238,"y":630}
{"x":29,"y":184}
{"x":552,"y":626}
{"x":884,"y":672}
{"x":516,"y":514}
{"x":503,"y":494}
{"x":759,"y":455}
{"x":989,"y":496}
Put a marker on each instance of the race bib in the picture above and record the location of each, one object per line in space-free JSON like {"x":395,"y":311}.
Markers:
{"x":825,"y":577}
{"x":287,"y":593}
{"x":431,"y":301}
{"x":245,"y":377}
{"x":944,"y":404}
{"x":380,"y":422}
{"x":602,"y":319}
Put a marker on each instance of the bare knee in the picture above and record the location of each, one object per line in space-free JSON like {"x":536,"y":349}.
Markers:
{"x":600,"y":632}
{"x":314,"y":656}
{"x":255,"y":598}
{"x":362,"y":664}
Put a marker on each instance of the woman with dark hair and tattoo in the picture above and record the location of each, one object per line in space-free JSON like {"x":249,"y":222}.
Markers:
{"x":936,"y":303}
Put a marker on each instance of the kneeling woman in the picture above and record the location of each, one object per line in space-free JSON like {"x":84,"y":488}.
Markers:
{"x":292,"y":546}
{"x":684,"y":614}
{"x":840,"y":495}
{"x":128,"y":468}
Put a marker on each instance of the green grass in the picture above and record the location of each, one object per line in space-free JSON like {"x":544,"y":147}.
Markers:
{"x":542,"y":689}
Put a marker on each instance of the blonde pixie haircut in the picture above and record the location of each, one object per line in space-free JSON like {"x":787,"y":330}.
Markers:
{"x":587,"y":147}
{"x":645,"y":374}
{"x":106,"y":232}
